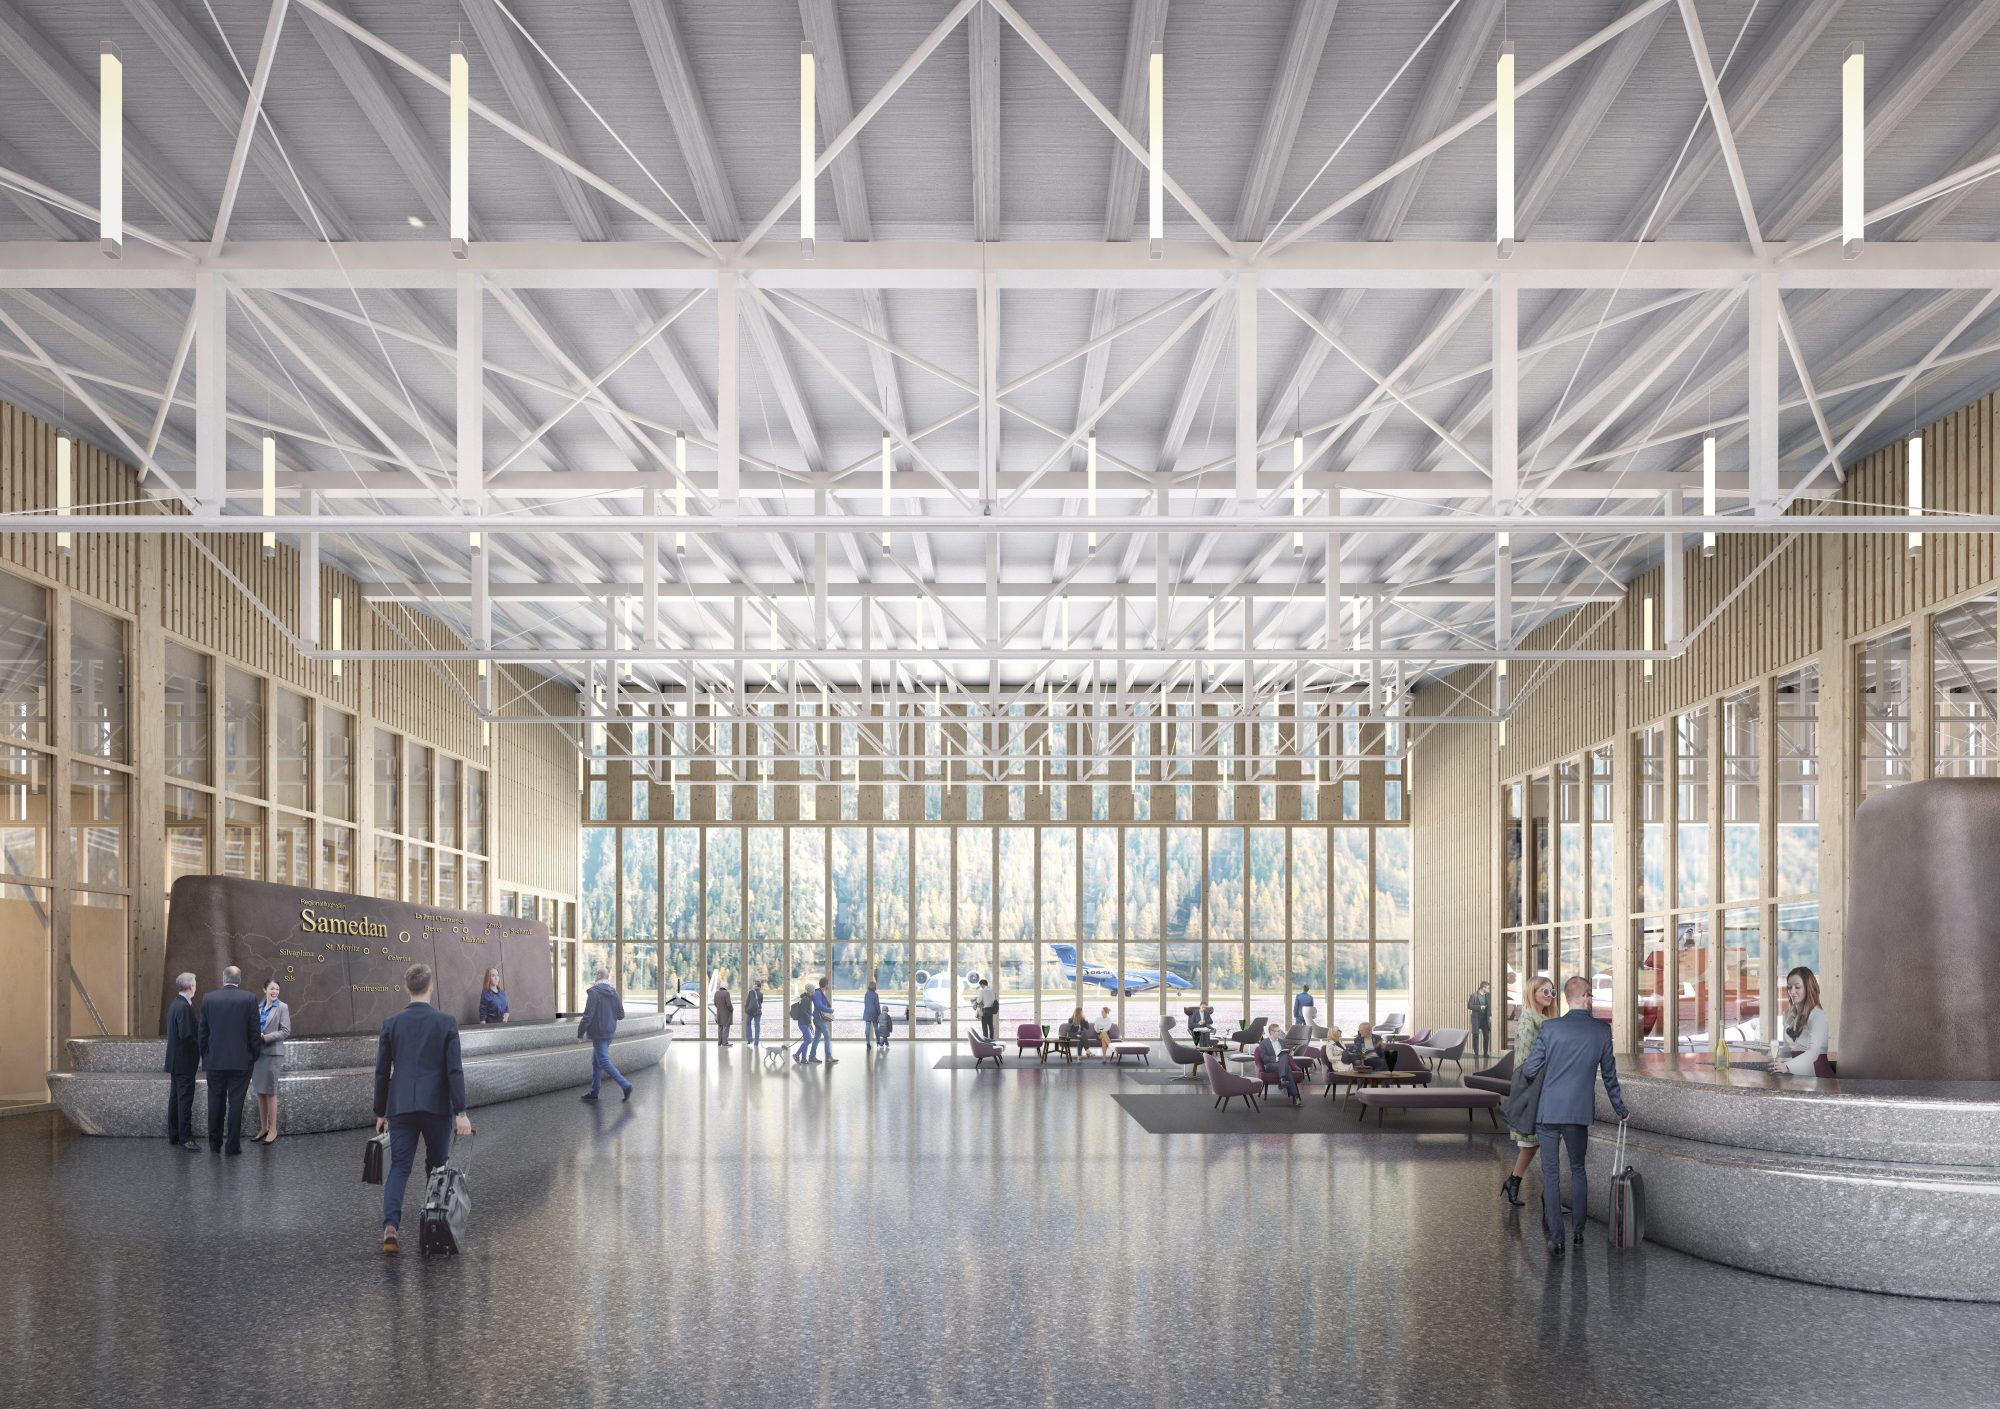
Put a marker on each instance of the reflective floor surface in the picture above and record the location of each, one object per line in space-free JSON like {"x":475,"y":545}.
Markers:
{"x":885,"y":1233}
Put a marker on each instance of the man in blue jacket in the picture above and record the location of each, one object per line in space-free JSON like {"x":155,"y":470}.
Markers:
{"x":602,"y":1012}
{"x":230,"y":1040}
{"x":1570,"y":1054}
{"x":419,"y":1090}
{"x":823,"y":1019}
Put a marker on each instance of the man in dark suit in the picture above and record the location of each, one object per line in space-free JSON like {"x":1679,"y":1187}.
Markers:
{"x":1571,"y":1052}
{"x":419,"y":1090}
{"x":183,"y":1061}
{"x":230,"y":1041}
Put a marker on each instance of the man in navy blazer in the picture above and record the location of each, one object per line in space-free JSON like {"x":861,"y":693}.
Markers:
{"x":1571,"y":1052}
{"x":419,"y":1090}
{"x":230,"y":1041}
{"x":183,"y":1061}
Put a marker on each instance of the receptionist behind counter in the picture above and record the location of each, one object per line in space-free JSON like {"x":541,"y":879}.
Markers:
{"x":492,"y":998}
{"x":1806,"y":1033}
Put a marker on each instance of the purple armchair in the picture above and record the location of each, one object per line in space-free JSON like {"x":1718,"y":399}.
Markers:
{"x":982,"y":1049}
{"x":1227,"y":1085}
{"x":1028,"y":1038}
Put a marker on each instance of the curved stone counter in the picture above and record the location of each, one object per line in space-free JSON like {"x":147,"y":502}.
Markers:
{"x":118,"y":1088}
{"x":1885,"y":1186}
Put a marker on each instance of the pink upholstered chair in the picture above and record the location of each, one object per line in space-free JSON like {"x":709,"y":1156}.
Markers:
{"x":982,"y":1049}
{"x":1028,"y":1038}
{"x":1227,"y":1085}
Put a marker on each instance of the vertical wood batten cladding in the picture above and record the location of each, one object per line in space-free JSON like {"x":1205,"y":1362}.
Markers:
{"x":532,"y":789}
{"x":1453,"y":854}
{"x":1810,"y":603}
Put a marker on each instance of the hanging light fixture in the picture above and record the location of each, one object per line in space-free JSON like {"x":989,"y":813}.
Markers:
{"x":461,"y":151}
{"x":1853,"y":141}
{"x":1156,"y":107}
{"x":1503,"y":151}
{"x":1062,"y":644}
{"x":1914,"y":455}
{"x":1090,"y":484}
{"x":680,"y":492}
{"x":270,"y":496}
{"x":888,"y":467}
{"x":1708,"y":493}
{"x":110,"y":152}
{"x":1646,"y":634}
{"x":339,"y":632}
{"x":65,"y":496}
{"x":1298,"y":491}
{"x":808,"y":179}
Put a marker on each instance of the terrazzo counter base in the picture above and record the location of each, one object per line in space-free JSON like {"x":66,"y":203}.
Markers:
{"x":328,"y":1083}
{"x":1872,"y":1185}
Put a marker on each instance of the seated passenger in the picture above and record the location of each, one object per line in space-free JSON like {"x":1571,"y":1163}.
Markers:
{"x":1806,"y":1030}
{"x":1364,"y":1053}
{"x":1105,"y":1023}
{"x":1077,"y":1029}
{"x":1274,"y":1062}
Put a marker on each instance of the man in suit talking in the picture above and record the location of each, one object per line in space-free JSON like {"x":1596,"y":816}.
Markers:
{"x":419,"y":1090}
{"x":183,"y":1061}
{"x":1570,"y":1054}
{"x":230,"y":1041}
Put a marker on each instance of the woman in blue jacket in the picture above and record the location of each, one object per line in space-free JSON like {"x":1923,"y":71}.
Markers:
{"x":492,"y":998}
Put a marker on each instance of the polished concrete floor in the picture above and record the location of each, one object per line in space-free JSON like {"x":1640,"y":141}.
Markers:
{"x":886,"y":1233}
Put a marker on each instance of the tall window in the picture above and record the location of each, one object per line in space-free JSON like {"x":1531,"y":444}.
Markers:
{"x":1964,"y":715}
{"x":1882,"y":683}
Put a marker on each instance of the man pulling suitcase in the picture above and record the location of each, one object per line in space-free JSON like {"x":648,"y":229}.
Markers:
{"x":419,"y":1090}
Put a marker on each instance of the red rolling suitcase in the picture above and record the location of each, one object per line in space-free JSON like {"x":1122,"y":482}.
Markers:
{"x":1628,"y":1199}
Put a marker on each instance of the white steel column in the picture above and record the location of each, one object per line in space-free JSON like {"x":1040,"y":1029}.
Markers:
{"x":470,"y":433}
{"x":1764,"y":406}
{"x":1506,"y":392}
{"x":1246,"y":389}
{"x":211,"y":389}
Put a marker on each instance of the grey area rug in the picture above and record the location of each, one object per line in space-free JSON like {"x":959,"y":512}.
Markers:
{"x":1194,"y":1113}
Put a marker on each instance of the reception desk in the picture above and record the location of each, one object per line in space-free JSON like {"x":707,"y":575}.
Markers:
{"x":116,"y":1086}
{"x":1887,"y":1186}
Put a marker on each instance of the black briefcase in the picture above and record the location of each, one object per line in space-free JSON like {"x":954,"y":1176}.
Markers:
{"x":447,"y":1209}
{"x":375,"y":1158}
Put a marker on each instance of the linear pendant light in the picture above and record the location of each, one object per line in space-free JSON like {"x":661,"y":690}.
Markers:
{"x":1156,"y":101}
{"x":1915,"y":457}
{"x":65,"y":495}
{"x":1646,"y":634}
{"x":1503,"y":151}
{"x":1708,"y":493}
{"x":461,"y":151}
{"x":110,"y":152}
{"x":680,"y":492}
{"x":808,"y":180}
{"x":1298,"y":494}
{"x":1090,"y":485}
{"x":339,"y":632}
{"x":1853,"y":134}
{"x":888,"y":467}
{"x":270,"y":495}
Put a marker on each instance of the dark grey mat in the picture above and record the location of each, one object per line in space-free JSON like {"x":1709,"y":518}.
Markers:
{"x":1194,"y":1113}
{"x":964,"y":1061}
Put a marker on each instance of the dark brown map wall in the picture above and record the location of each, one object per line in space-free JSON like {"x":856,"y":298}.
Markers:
{"x":339,"y":959}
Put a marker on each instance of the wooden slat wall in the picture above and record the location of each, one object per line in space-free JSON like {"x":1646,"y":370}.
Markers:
{"x":1453,"y":831}
{"x":228,"y":609}
{"x":1562,"y":708}
{"x":536,"y":831}
{"x":103,"y":567}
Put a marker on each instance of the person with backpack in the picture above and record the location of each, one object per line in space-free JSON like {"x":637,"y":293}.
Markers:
{"x":801,"y":1013}
{"x":602,"y":1012}
{"x":753,"y":1013}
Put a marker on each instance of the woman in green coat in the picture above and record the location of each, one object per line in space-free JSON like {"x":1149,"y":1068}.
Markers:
{"x":1522,"y":1098}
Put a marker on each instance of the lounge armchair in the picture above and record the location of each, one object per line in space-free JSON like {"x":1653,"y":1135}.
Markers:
{"x":1270,"y":1079}
{"x":1498,"y":1078}
{"x":1295,"y":1037}
{"x":1408,"y":1059}
{"x":1028,"y":1038}
{"x":1179,"y":1052}
{"x":1227,"y":1085}
{"x":1391,"y":1024}
{"x":1250,"y":1036}
{"x":1447,"y":1044}
{"x":982,"y":1049}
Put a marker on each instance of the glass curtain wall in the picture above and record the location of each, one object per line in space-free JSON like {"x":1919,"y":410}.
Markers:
{"x":1143,"y":919}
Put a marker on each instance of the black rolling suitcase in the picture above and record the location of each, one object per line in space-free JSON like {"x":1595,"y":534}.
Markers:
{"x":1628,"y":1199}
{"x":447,"y":1208}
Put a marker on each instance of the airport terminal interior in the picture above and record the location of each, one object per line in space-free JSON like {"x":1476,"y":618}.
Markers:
{"x":1040,"y":701}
